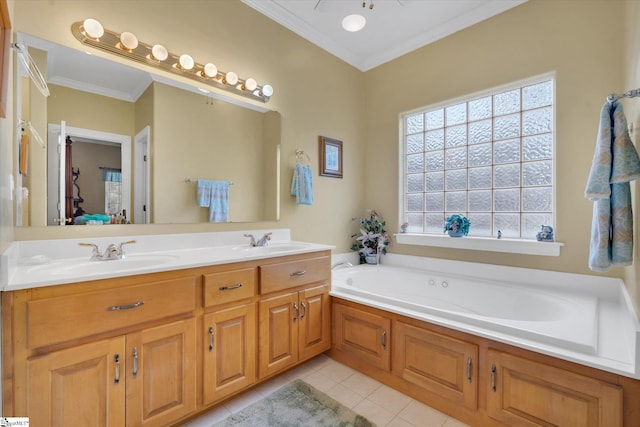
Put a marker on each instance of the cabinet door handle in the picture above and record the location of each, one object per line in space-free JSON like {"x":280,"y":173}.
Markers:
{"x":116,"y":359}
{"x":228,"y":288}
{"x":297,"y":312}
{"x":125,"y":307}
{"x":493,"y":378}
{"x":304,"y":310}
{"x":298,"y":273}
{"x":469,"y":361}
{"x":384,"y":339}
{"x":211,"y":338}
{"x":135,"y":362}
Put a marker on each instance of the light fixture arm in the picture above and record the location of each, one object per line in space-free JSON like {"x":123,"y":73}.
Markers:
{"x":111,"y":42}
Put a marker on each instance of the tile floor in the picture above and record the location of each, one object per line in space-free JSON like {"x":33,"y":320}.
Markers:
{"x":381,"y":404}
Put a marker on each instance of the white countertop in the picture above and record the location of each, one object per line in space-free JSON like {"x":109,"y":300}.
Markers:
{"x":31,"y":264}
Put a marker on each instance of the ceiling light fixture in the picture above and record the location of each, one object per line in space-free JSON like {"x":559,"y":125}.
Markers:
{"x":353,"y":23}
{"x":91,"y":32}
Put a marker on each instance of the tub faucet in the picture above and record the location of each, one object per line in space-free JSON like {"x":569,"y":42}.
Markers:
{"x":344,"y":264}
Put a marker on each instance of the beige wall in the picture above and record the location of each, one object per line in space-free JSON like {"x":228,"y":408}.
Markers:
{"x":632,"y":110}
{"x":316,"y":94}
{"x":6,"y":160}
{"x":534,"y":38}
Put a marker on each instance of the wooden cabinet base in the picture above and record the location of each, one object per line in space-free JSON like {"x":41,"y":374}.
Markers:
{"x":509,"y":386}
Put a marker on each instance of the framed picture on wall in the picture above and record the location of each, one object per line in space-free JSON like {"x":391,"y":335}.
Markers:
{"x":330,"y":157}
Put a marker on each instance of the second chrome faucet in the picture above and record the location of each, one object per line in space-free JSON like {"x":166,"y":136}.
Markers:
{"x":260,"y":242}
{"x":112,"y":252}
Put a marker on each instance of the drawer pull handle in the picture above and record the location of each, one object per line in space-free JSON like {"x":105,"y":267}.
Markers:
{"x":384,"y":339}
{"x":211,"y":338}
{"x":125,"y":307}
{"x":135,"y":362}
{"x":304,"y":310}
{"x":116,"y":359}
{"x":297,"y":311}
{"x":493,"y":378}
{"x":298,"y":273}
{"x":228,"y":288}
{"x":469,"y":361}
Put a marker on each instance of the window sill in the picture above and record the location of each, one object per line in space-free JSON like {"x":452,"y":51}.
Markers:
{"x":517,"y":246}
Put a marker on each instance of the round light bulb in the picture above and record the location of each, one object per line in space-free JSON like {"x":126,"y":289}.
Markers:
{"x":210,"y":70}
{"x":159,"y":52}
{"x":267,"y":90}
{"x":186,"y":62}
{"x":231,"y":78}
{"x":250,"y":84}
{"x":93,"y":28}
{"x":128,"y":40}
{"x":353,"y":23}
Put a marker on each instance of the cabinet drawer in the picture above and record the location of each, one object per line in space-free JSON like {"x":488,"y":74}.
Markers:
{"x":58,"y":319}
{"x":281,"y":276}
{"x":228,"y":286}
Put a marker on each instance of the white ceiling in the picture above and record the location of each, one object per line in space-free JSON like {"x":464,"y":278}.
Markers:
{"x":394,"y":27}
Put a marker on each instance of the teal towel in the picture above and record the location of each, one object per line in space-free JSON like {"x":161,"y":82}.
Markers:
{"x":302,"y":185}
{"x":615,"y":164}
{"x":215,"y":196}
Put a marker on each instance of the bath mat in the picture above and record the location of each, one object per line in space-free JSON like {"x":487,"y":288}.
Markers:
{"x":294,"y":405}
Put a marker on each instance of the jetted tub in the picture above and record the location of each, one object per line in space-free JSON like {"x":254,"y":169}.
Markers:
{"x":564,"y":322}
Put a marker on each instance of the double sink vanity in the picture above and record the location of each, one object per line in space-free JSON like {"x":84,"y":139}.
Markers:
{"x":180,"y":323}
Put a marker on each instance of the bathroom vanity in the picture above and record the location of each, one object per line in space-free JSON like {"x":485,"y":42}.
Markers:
{"x":154,"y":349}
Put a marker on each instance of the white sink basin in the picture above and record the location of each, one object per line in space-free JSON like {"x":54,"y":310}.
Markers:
{"x":131,"y":262}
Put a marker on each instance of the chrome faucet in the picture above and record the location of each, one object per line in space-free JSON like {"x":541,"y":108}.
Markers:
{"x":260,"y":242}
{"x":345,"y":264}
{"x":112,"y":252}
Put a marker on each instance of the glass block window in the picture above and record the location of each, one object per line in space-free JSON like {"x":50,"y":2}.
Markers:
{"x":488,"y":157}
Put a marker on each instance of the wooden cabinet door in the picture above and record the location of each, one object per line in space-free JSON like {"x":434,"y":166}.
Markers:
{"x":83,"y":385}
{"x":229,"y":361}
{"x":315,"y":321}
{"x":522,"y":392}
{"x":363,"y":335}
{"x":161,"y":374}
{"x":443,"y":365}
{"x":278,"y":332}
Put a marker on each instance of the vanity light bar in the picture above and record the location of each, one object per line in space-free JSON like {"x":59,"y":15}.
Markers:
{"x":91,"y":33}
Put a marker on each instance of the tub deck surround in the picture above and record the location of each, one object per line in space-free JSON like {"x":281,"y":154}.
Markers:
{"x":32,"y":264}
{"x":584,"y":319}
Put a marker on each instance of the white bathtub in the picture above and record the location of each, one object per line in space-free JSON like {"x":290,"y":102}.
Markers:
{"x":589,"y":325}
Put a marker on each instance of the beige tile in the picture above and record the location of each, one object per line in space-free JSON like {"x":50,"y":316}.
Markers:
{"x":399,"y":422}
{"x":452,"y":422}
{"x":319,"y":362}
{"x":390,"y":399}
{"x":209,"y":418}
{"x":298,"y":372}
{"x":361,"y":384}
{"x":337,"y":371}
{"x":344,"y":395}
{"x":373,"y":412}
{"x":242,"y":401}
{"x":422,"y":415}
{"x":272,"y":385}
{"x":320,"y":381}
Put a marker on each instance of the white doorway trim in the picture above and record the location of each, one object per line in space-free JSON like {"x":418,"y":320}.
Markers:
{"x":142,"y":176}
{"x":125,"y":153}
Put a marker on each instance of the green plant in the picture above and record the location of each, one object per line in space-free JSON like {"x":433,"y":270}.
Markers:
{"x":457,"y":223}
{"x":373,"y":238}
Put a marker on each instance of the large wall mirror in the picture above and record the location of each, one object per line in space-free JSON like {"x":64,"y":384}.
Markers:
{"x":121,"y":139}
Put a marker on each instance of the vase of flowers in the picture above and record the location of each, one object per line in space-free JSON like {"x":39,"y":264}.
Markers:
{"x":372,"y":241}
{"x":457,"y":226}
